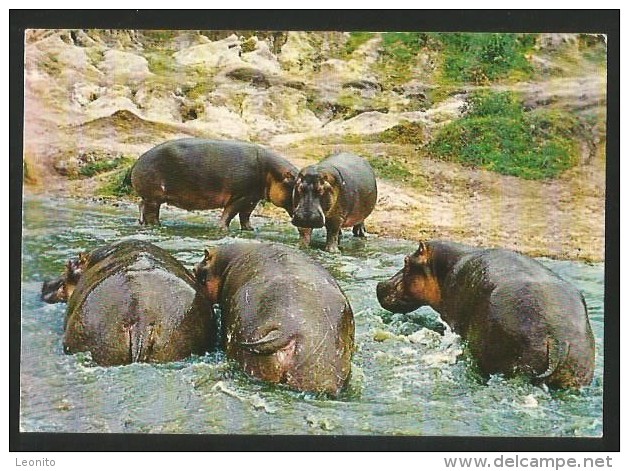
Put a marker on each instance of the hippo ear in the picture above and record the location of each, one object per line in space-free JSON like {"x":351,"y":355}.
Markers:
{"x":421,"y":250}
{"x":83,"y":258}
{"x":206,"y":254}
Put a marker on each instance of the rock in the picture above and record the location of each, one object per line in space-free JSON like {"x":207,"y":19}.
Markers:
{"x":109,"y":104}
{"x":297,"y":52}
{"x":262,"y":58}
{"x":255,"y":77}
{"x":220,"y":122}
{"x":217,"y":54}
{"x":365,"y":123}
{"x":158,"y":104}
{"x":124,"y":67}
{"x":84,"y":93}
{"x":556,"y":41}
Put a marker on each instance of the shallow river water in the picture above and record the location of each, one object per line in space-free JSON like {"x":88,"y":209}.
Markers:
{"x":409,"y":376}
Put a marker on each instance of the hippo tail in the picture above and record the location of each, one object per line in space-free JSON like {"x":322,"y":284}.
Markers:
{"x":141,"y":342}
{"x":557,"y":354}
{"x":272,"y":342}
{"x":126,"y":181}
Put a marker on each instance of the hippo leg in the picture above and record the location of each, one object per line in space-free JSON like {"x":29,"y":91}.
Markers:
{"x":244,"y":215}
{"x":235,"y":206}
{"x":305,"y":235}
{"x":332,"y":237}
{"x":149,"y":212}
{"x":359,"y":230}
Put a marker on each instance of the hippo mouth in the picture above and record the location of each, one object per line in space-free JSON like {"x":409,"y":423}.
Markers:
{"x":50,"y":292}
{"x":310,"y":223}
{"x":392,"y":300}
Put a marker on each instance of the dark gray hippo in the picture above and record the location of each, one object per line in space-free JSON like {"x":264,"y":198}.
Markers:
{"x":517,"y":316}
{"x":132,"y":302}
{"x":338,"y":192}
{"x":208,"y":174}
{"x":285,"y":319}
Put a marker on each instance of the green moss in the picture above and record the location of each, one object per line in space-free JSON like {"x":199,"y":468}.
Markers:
{"x":497,"y":134}
{"x":249,"y":45}
{"x":160,"y":62}
{"x":404,"y":133}
{"x":50,"y":65}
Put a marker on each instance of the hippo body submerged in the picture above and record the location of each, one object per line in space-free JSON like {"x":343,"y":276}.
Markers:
{"x":338,"y":192}
{"x":197,"y":174}
{"x":134,"y":302}
{"x":284,"y":317}
{"x":517,"y":316}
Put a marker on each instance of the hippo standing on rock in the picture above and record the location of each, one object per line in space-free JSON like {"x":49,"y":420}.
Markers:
{"x":338,"y":192}
{"x":208,"y":174}
{"x":517,"y":316}
{"x":285,"y":319}
{"x":132,"y":302}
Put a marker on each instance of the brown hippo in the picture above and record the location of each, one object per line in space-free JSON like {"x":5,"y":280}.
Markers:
{"x":338,"y":192}
{"x":517,"y":316}
{"x":285,"y":319}
{"x":132,"y":302}
{"x":207,"y":174}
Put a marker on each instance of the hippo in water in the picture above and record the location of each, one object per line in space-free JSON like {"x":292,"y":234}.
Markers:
{"x":132,"y":302}
{"x":285,"y":319}
{"x":208,"y":174}
{"x":516,"y":315}
{"x":338,"y":192}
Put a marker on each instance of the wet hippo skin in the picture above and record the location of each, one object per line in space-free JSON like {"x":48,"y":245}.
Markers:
{"x":198,"y":174}
{"x":517,"y":316}
{"x":338,"y":192}
{"x":285,"y":319}
{"x":132,"y":302}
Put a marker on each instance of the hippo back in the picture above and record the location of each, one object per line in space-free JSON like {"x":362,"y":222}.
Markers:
{"x":135,"y":302}
{"x":358,"y":182}
{"x":514,"y":311}
{"x":196,"y":173}
{"x":273,"y":288}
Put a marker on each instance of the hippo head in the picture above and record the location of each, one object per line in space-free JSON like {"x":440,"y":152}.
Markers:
{"x":60,"y":289}
{"x":413,"y":286}
{"x":313,"y":196}
{"x":208,"y":276}
{"x":280,"y":189}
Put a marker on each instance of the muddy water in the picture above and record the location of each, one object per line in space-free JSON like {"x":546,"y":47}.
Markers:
{"x":410,"y":375}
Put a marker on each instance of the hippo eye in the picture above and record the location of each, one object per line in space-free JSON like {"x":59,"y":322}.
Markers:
{"x":411,"y":263}
{"x":200,"y":274}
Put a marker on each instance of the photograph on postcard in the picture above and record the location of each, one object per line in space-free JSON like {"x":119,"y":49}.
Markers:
{"x":419,"y":248}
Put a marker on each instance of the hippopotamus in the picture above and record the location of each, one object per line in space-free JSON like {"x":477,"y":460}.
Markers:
{"x":208,"y":174}
{"x":338,"y":192}
{"x":284,"y":318}
{"x":517,"y":316}
{"x":132,"y":302}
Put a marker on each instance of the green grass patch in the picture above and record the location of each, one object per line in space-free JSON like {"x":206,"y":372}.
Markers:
{"x":386,"y":167}
{"x":482,"y":58}
{"x":117,"y":184}
{"x":100,"y":166}
{"x":497,"y":134}
{"x":398,"y":53}
{"x":357,"y":39}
